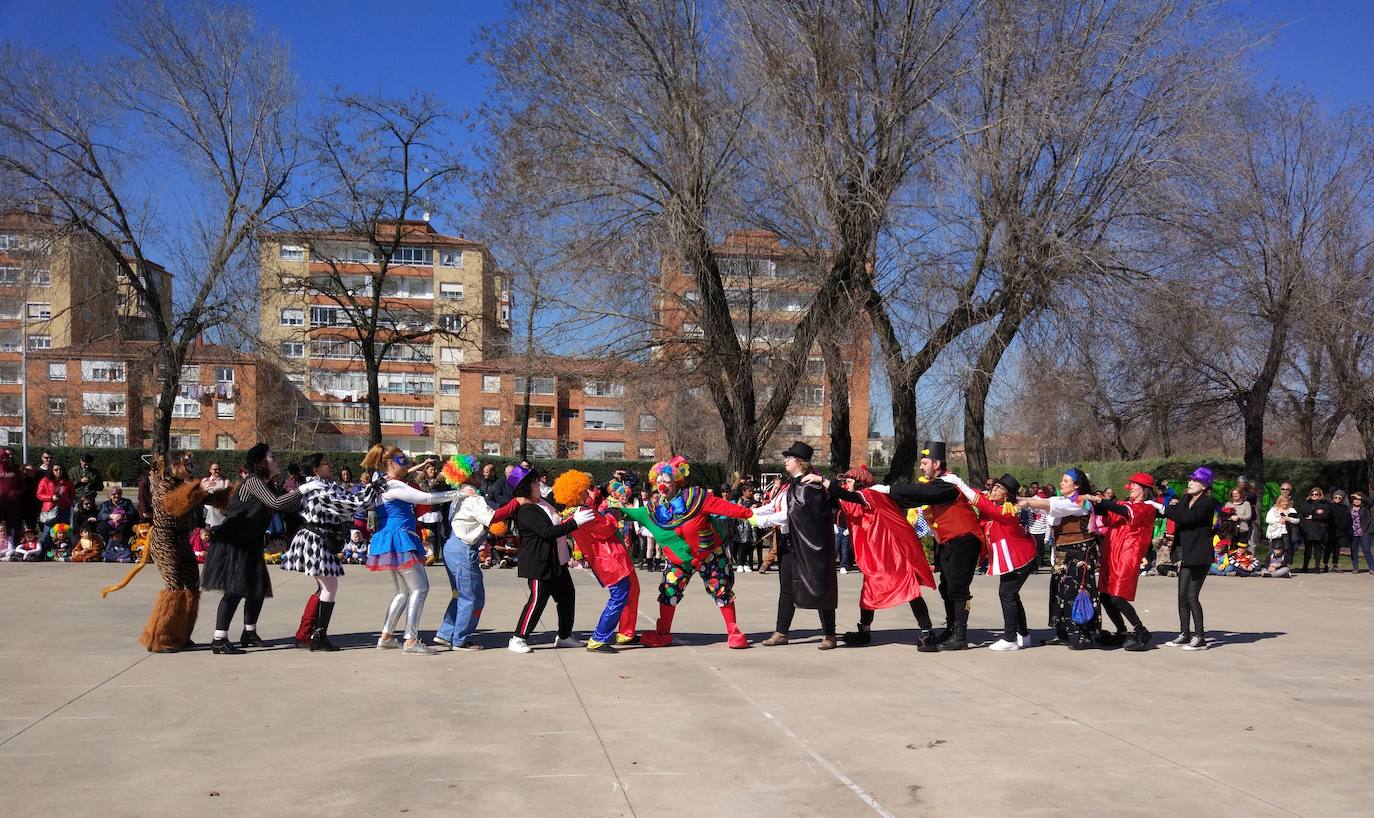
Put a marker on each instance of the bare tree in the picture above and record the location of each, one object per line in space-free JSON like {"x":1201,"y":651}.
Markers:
{"x":383,"y":166}
{"x":200,"y":90}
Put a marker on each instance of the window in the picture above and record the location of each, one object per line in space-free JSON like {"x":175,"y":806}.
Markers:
{"x":9,"y":373}
{"x":800,"y":426}
{"x":609,"y":419}
{"x":451,"y":290}
{"x":292,"y":349}
{"x":184,"y":440}
{"x":605,"y":389}
{"x":57,"y":372}
{"x":9,"y":405}
{"x":539,"y":385}
{"x":9,"y":340}
{"x":102,"y":371}
{"x":491,"y":417}
{"x":103,"y":403}
{"x":9,"y":241}
{"x":648,"y":423}
{"x":190,"y":374}
{"x":450,"y":258}
{"x":450,"y":355}
{"x":448,"y":417}
{"x":57,"y":437}
{"x":540,"y":416}
{"x":604,"y":450}
{"x":57,"y":406}
{"x":39,"y":311}
{"x":491,"y":383}
{"x":413,"y":255}
{"x":225,"y":442}
{"x":292,"y":318}
{"x":448,"y":386}
{"x":406,"y":414}
{"x":400,"y":286}
{"x":224,"y":374}
{"x":451,"y":323}
{"x":815,"y":366}
{"x":491,"y":448}
{"x":647,"y":453}
{"x":328,"y":317}
{"x":11,"y":309}
{"x":542,"y":447}
{"x":811,"y":395}
{"x":9,"y":275}
{"x":691,"y":330}
{"x":185,"y":408}
{"x":111,"y":436}
{"x":40,"y":342}
{"x":40,"y":278}
{"x":224,"y":410}
{"x":291,"y":252}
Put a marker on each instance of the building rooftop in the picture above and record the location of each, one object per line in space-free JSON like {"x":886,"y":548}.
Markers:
{"x":413,"y":231}
{"x":115,"y":349}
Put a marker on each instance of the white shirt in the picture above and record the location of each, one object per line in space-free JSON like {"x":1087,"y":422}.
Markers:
{"x":471,"y":518}
{"x":1062,"y":507}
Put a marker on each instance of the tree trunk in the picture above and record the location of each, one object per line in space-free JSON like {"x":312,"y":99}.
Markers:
{"x":525,"y":421}
{"x":371,"y":363}
{"x":837,"y":384}
{"x":1364,"y":422}
{"x":976,"y":393}
{"x":170,"y":358}
{"x":1252,"y":414}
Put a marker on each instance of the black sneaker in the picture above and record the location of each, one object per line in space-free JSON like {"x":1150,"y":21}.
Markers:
{"x":925,"y":643}
{"x":1111,"y":640}
{"x":250,"y":639}
{"x":1138,"y":641}
{"x":854,"y":639}
{"x":224,"y":646}
{"x":1197,"y":643}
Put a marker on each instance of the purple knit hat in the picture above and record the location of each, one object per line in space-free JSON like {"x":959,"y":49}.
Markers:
{"x":1203,"y":475}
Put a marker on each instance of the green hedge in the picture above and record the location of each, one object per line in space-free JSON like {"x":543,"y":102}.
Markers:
{"x":125,"y":465}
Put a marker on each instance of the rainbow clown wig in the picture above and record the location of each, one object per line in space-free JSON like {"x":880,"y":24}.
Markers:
{"x":619,"y":493}
{"x":459,"y":468}
{"x":570,"y":488}
{"x":673,"y":471}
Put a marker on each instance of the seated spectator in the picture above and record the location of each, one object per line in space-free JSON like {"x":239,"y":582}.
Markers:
{"x":28,"y":549}
{"x":89,"y":547}
{"x":200,"y":542}
{"x":59,"y":545}
{"x":85,"y":512}
{"x":116,"y":550}
{"x":1244,"y":562}
{"x":1278,"y":562}
{"x":117,"y":516}
{"x":1221,"y":562}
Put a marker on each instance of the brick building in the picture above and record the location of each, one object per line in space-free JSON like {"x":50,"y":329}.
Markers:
{"x":442,"y":293}
{"x":58,"y":290}
{"x":105,"y":394}
{"x":769,"y":286}
{"x":578,"y":408}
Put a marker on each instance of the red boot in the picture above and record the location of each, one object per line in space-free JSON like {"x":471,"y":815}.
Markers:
{"x":737,"y":639}
{"x":662,"y":636}
{"x":312,"y":606}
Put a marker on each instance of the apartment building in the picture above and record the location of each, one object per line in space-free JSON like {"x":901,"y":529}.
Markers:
{"x":58,"y":290}
{"x":105,"y":394}
{"x":445,"y":303}
{"x":579,"y":408}
{"x":769,"y":286}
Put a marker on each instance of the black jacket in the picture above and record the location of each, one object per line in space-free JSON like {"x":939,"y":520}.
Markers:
{"x":89,"y":483}
{"x":496,"y":491}
{"x":1315,"y":520}
{"x":1193,"y":529}
{"x":1340,"y":521}
{"x":539,"y":542}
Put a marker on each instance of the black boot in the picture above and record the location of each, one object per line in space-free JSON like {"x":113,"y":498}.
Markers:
{"x":926,"y":642}
{"x":319,"y":637}
{"x":250,"y":639}
{"x":223,"y":645}
{"x":1111,"y":640}
{"x":859,"y":638}
{"x":1140,"y":640}
{"x":958,"y":637}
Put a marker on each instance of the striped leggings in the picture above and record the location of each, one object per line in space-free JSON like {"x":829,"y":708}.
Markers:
{"x":560,"y":587}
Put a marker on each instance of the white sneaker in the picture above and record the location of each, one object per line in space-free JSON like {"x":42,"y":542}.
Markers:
{"x":844,"y":570}
{"x":567,"y":643}
{"x":519,"y":645}
{"x":388,"y":643}
{"x":1024,"y":641}
{"x":1002,"y":644}
{"x":748,"y":570}
{"x":418,"y":647}
{"x":1177,"y":640}
{"x":1198,"y":643}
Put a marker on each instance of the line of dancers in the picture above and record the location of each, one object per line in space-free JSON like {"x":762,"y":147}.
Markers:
{"x":1098,"y":545}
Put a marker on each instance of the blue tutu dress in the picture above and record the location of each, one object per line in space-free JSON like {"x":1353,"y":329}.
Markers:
{"x":395,"y":545}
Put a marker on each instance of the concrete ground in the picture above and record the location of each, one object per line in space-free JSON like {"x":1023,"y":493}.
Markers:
{"x":1274,"y":720}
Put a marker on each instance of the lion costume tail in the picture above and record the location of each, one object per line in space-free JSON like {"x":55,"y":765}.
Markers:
{"x":133,"y":572}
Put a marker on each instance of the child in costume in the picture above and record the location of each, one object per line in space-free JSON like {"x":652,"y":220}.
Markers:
{"x":607,"y":556}
{"x":355,"y":552}
{"x":200,"y":543}
{"x":28,"y":549}
{"x":678,"y":518}
{"x":88,"y":548}
{"x":60,"y":546}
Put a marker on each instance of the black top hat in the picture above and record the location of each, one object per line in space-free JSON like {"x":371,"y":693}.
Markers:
{"x":799,"y":450}
{"x":1010,"y":484}
{"x":935,"y":450}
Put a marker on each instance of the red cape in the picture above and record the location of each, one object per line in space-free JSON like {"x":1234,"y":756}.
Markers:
{"x":606,"y":554}
{"x":888,"y":552}
{"x":1126,"y":542}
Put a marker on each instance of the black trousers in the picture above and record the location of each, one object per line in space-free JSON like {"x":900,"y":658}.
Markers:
{"x":918,"y":608}
{"x":229,"y":603}
{"x":1190,"y":579}
{"x":1334,"y":547}
{"x":1310,"y":546}
{"x":564,"y":595}
{"x":1009,"y":592}
{"x":787,"y":606}
{"x":1116,"y":608}
{"x":958,"y":559}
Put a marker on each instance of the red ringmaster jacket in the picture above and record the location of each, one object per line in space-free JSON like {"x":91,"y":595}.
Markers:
{"x":1009,"y":546}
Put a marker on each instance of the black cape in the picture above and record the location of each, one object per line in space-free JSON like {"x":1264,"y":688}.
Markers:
{"x":811,"y":527}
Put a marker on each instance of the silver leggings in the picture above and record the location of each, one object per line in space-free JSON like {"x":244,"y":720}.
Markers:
{"x":412,"y":586}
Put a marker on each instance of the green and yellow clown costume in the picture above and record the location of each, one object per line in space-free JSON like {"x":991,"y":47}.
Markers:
{"x":680,"y":519}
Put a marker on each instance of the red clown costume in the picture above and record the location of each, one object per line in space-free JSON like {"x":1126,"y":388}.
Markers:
{"x":1128,"y":529}
{"x":600,"y":545}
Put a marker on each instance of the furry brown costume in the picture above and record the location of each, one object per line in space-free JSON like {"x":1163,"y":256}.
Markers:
{"x":175,"y":495}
